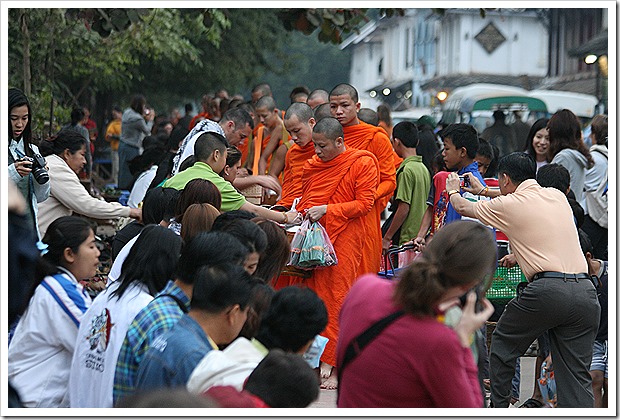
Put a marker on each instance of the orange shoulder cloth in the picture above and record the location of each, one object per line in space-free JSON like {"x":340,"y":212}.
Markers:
{"x":321,"y":179}
{"x":296,"y":158}
{"x":360,"y":135}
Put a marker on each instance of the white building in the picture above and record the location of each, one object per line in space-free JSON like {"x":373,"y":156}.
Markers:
{"x":391,"y":57}
{"x":417,"y":55}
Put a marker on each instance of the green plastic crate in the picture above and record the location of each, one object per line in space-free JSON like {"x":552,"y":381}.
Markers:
{"x":505,"y":281}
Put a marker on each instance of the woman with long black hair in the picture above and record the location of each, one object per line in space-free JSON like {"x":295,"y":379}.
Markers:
{"x":21,"y":152}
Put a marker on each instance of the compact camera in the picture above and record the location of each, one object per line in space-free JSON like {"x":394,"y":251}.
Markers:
{"x":37,"y":164}
{"x":464,"y":180}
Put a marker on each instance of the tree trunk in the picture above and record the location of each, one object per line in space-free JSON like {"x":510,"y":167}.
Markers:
{"x":26,"y":53}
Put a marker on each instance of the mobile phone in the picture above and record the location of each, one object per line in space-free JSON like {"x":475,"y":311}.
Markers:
{"x":479,"y":289}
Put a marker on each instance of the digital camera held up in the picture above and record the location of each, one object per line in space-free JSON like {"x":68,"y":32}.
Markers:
{"x":37,"y":163}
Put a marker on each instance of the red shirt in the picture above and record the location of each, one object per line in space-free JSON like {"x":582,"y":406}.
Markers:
{"x":414,"y":362}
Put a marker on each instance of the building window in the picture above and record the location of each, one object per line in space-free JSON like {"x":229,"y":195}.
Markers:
{"x":380,"y":68}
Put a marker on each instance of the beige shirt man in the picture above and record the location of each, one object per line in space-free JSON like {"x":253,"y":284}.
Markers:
{"x":539,"y":223}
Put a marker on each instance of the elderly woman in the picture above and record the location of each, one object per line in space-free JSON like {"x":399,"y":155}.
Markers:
{"x":65,"y":159}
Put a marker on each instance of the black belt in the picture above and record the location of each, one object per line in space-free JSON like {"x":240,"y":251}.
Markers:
{"x":563,"y":276}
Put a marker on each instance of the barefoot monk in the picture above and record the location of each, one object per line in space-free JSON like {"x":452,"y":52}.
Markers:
{"x":338,"y":189}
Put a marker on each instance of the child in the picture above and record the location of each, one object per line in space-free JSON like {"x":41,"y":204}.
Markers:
{"x":284,"y":380}
{"x":460,"y":148}
{"x":599,"y":366}
{"x":557,"y":176}
{"x":412,"y":186}
{"x":484,"y":156}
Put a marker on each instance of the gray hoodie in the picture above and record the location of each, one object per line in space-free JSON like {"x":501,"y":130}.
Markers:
{"x":576,"y":163}
{"x":134,"y":128}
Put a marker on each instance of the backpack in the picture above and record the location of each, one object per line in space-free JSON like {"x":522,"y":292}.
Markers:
{"x":596,"y":202}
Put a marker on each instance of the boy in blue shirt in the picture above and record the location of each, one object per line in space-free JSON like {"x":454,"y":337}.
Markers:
{"x":219,"y":308}
{"x":460,"y":148}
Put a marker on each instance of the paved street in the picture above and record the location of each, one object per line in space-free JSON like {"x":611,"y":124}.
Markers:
{"x":327,"y":398}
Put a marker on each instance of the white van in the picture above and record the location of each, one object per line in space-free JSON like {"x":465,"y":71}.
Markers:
{"x":412,"y":114}
{"x":474,"y":104}
{"x":582,"y":105}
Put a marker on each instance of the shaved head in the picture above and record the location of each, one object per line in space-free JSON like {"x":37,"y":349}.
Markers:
{"x":260,"y":90}
{"x":322,"y":111}
{"x":317,"y":97}
{"x":345,"y":89}
{"x":369,"y":116}
{"x":266,"y":102}
{"x":301,"y":110}
{"x":330,"y":128}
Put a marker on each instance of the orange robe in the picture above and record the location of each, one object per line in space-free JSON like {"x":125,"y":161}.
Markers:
{"x":199,"y":117}
{"x":374,"y":139}
{"x":296,"y":157}
{"x":397,"y":160}
{"x":387,"y":128}
{"x":247,"y":150}
{"x":284,"y":137}
{"x":347,"y":184}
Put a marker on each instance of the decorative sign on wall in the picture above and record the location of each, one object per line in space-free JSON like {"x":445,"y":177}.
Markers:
{"x":490,"y":38}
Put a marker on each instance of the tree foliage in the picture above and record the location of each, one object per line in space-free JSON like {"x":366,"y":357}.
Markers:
{"x":329,"y":24}
{"x":66,"y":57}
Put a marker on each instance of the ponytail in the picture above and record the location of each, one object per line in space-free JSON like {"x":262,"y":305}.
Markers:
{"x":420,"y":286}
{"x":65,"y":139}
{"x":450,"y":260}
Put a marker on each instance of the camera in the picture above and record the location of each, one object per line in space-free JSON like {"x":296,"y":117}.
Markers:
{"x":464,"y":180}
{"x":37,"y":164}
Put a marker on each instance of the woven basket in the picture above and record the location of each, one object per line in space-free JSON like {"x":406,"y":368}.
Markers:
{"x":253,"y":194}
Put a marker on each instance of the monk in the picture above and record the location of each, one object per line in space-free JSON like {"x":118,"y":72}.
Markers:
{"x":338,"y":189}
{"x":299,"y":122}
{"x":205,"y":114}
{"x":321,"y":111}
{"x":275,"y":134}
{"x":344,"y":106}
{"x":260,"y":90}
{"x":317,"y":97}
{"x":299,"y":94}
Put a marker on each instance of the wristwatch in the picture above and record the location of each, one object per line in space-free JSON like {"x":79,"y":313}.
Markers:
{"x":452,"y":192}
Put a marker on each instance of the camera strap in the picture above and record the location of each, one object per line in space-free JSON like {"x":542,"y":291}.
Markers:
{"x":20,"y":155}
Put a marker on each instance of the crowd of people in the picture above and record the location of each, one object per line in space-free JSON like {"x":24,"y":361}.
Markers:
{"x":202,"y":308}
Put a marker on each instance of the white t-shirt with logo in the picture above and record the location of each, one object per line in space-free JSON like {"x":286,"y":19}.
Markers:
{"x":99,"y":341}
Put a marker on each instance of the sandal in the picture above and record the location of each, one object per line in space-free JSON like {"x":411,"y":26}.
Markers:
{"x":532,"y":403}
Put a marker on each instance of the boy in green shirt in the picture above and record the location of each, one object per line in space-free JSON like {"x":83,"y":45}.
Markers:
{"x":413,"y":182}
{"x":211,"y":151}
